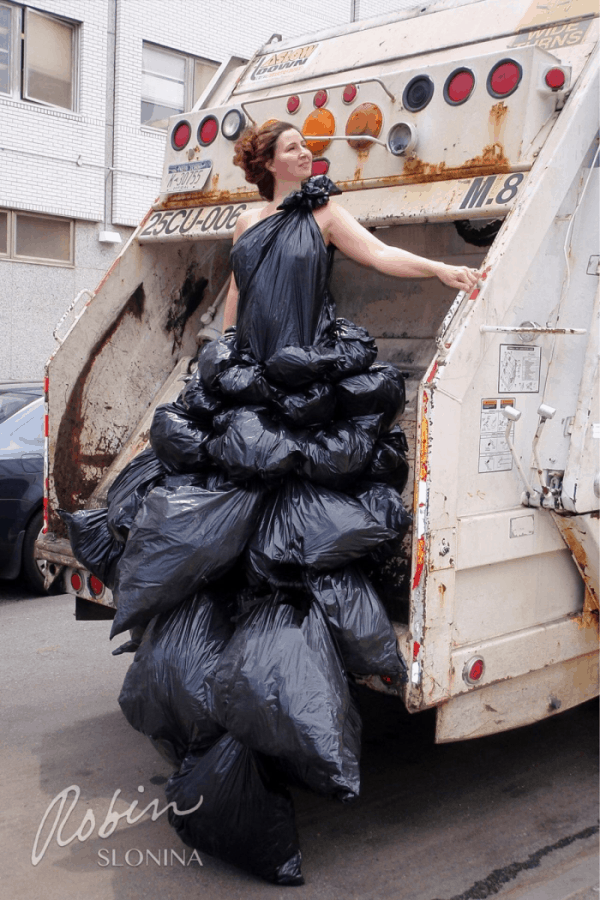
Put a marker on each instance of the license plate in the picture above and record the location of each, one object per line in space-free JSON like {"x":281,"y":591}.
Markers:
{"x":188,"y":176}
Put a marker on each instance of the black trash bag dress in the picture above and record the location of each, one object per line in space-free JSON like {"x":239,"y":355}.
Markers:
{"x":276,"y":487}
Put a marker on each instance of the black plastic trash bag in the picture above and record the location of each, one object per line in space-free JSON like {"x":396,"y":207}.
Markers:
{"x":164,"y":692}
{"x":245,"y":818}
{"x":127,"y":492}
{"x":353,"y":347}
{"x":280,"y":688}
{"x":389,"y":462}
{"x":252,"y":445}
{"x":304,"y":524}
{"x":385,"y":505}
{"x":93,"y":543}
{"x":180,"y":540}
{"x":296,"y":366}
{"x":245,"y":384}
{"x":336,"y":455}
{"x":178,"y":439}
{"x":313,"y":406}
{"x":362,"y":629}
{"x":378,"y":390}
{"x":215,"y":358}
{"x":198,"y":401}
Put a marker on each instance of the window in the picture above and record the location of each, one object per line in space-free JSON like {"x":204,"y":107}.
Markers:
{"x":171,"y":83}
{"x":38,"y":56}
{"x":34,"y":238}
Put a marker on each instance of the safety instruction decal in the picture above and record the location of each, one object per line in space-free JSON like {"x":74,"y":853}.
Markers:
{"x":519,"y":371}
{"x":494,"y":452}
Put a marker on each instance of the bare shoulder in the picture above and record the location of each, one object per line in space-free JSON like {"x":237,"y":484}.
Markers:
{"x":244,"y":221}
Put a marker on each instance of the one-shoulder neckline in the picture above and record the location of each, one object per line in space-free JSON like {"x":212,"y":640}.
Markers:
{"x":272,"y":216}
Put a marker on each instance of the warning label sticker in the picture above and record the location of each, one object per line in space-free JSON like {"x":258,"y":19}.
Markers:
{"x":519,"y":371}
{"x":494,"y":452}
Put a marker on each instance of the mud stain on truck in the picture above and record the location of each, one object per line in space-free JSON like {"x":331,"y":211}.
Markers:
{"x":185,"y":303}
{"x":74,"y":483}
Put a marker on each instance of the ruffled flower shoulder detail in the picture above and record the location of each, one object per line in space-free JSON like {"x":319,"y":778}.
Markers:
{"x":314,"y":193}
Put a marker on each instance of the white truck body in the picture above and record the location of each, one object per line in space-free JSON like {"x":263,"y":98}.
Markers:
{"x":495,"y":600}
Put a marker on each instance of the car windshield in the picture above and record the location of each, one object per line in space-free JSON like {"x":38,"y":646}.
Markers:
{"x":12,"y":401}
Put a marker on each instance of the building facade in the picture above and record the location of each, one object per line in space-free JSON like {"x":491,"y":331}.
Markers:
{"x":86,"y":88}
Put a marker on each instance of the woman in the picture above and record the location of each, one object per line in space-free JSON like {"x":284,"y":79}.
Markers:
{"x":243,"y":528}
{"x":276,"y":158}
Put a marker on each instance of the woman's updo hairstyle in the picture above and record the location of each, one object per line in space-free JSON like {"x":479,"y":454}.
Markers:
{"x":254,"y":148}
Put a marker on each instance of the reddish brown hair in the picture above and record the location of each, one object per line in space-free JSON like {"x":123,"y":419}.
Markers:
{"x":254,"y":149}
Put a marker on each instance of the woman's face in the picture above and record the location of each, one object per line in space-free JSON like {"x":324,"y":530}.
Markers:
{"x":292,"y":160}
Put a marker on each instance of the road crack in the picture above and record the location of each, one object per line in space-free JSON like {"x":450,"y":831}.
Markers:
{"x":496,"y":880}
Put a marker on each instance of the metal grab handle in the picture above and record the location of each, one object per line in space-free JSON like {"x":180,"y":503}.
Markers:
{"x":528,"y":329}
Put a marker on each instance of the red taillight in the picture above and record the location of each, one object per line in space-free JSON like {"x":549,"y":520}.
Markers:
{"x":76,"y":581}
{"x":473,"y":670}
{"x":96,"y":585}
{"x":350,"y":92}
{"x":504,"y":78}
{"x":208,"y":130}
{"x":320,"y":167}
{"x":181,"y":135}
{"x":555,"y":79}
{"x":293,"y":104}
{"x":320,"y":99}
{"x":459,"y":86}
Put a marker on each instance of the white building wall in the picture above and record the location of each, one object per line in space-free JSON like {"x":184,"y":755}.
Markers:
{"x":52,"y":160}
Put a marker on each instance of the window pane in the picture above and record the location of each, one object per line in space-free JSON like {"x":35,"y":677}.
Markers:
{"x":49,"y":60}
{"x":156,"y":116}
{"x":5,"y":40}
{"x":159,"y":90}
{"x":3,"y":232}
{"x":43,"y":238}
{"x":160,"y":62}
{"x":163,"y":86}
{"x":203,"y":72}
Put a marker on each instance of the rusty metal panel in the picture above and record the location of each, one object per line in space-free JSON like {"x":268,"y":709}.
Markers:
{"x":582,"y":536}
{"x":518,"y":701}
{"x":142,"y":320}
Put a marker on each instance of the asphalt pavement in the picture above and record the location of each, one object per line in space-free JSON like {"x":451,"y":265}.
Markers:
{"x":512,"y":816}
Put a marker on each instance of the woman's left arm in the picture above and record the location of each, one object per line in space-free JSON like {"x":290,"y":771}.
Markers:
{"x":359,"y":244}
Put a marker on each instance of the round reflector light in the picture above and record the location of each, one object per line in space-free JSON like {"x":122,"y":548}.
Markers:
{"x":318,"y":124}
{"x":96,"y":586}
{"x":417,"y":93}
{"x":320,"y":167}
{"x":402,"y":138}
{"x":293,"y":103}
{"x":473,"y":670}
{"x":76,"y":581}
{"x":208,"y":130}
{"x":233,"y":124}
{"x":180,"y":135}
{"x":555,"y":79}
{"x":320,"y":99}
{"x":459,"y":86}
{"x":504,"y":78}
{"x":364,"y":119}
{"x":350,"y":92}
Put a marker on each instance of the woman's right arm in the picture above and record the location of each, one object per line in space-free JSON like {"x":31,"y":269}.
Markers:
{"x":231,"y":301}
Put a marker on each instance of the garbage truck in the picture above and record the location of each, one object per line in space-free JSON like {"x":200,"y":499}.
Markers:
{"x":466,"y":132}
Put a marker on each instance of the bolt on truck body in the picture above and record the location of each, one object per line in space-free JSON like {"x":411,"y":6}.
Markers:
{"x":467,"y":133}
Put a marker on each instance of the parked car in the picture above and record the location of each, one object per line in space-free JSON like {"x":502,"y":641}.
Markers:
{"x":21,"y":480}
